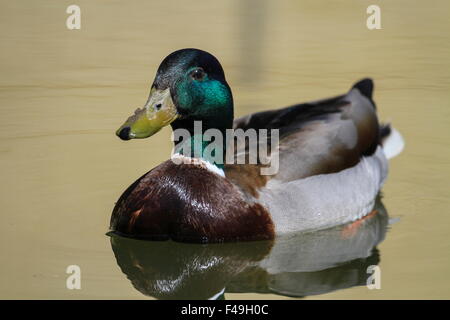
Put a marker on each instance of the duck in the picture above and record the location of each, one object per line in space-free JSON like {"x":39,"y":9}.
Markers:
{"x":332,"y":160}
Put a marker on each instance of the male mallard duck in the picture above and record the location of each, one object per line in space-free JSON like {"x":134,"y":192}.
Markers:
{"x":332,"y":162}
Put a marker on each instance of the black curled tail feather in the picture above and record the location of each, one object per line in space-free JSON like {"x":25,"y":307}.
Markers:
{"x":385,"y":131}
{"x":365,"y":86}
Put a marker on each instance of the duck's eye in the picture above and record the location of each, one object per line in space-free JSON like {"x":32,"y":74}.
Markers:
{"x":198,"y":74}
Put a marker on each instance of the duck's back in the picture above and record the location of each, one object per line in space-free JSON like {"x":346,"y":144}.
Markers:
{"x":320,"y":137}
{"x":331,"y":163}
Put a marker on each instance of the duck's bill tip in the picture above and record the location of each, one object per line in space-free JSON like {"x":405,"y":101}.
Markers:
{"x":139,"y":130}
{"x":123,"y":133}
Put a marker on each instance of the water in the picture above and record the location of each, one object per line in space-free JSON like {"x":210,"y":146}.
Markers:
{"x":64,"y":93}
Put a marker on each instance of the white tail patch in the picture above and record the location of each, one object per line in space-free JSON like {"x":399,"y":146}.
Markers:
{"x":394,"y":144}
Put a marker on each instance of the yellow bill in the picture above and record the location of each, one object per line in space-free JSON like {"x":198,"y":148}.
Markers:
{"x":158,"y":112}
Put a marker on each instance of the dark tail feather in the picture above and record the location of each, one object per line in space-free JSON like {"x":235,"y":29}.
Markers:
{"x":385,"y":131}
{"x":365,"y":86}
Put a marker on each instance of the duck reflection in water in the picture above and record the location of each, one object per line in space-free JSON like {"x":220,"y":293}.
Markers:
{"x":304,"y":264}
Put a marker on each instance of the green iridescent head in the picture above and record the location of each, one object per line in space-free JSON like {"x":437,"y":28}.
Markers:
{"x":189,"y":86}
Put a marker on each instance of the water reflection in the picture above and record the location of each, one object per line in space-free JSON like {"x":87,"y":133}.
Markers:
{"x":304,"y":264}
